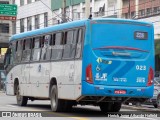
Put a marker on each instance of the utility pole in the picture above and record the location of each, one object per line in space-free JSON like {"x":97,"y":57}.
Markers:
{"x":64,"y":12}
{"x":129,"y":9}
{"x":137,"y":7}
{"x":87,"y":9}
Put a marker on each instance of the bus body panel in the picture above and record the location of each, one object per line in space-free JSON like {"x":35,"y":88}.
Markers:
{"x":15,"y":73}
{"x":69,"y":84}
{"x":39,"y":79}
{"x":109,"y":91}
{"x":68,"y":76}
{"x":78,"y":79}
{"x":118,"y":61}
{"x":26,"y":76}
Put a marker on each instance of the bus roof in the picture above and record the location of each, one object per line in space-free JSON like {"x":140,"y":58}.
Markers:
{"x":71,"y":25}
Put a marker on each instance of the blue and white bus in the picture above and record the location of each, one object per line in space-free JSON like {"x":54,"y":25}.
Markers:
{"x":101,"y":62}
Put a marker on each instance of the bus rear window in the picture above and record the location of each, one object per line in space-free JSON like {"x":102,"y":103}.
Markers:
{"x":138,"y":35}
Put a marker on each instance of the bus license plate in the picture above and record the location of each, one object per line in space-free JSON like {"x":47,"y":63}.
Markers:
{"x":119,"y":92}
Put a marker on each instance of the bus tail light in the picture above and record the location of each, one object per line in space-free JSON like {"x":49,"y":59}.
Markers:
{"x":89,"y":74}
{"x":150,"y":77}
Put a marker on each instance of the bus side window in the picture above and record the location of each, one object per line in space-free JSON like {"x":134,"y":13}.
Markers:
{"x":36,"y":49}
{"x":19,"y":45}
{"x":57,"y":49}
{"x":68,"y":41}
{"x":26,"y":50}
{"x":79,"y":43}
{"x":46,"y":49}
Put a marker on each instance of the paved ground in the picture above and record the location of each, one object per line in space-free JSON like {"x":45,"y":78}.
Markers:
{"x":8,"y":103}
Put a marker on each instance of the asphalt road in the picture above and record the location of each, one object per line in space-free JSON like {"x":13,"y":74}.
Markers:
{"x":8,"y":107}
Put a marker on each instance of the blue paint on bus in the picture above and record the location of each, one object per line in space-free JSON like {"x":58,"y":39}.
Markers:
{"x":118,"y":56}
{"x":125,"y":50}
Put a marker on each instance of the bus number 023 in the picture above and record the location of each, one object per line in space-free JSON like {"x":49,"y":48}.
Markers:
{"x":140,"y":67}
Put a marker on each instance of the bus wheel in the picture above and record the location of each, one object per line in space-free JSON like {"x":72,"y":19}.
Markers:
{"x":116,"y":106}
{"x":106,"y":107}
{"x":67,"y":106}
{"x":56,"y":104}
{"x":21,"y":100}
{"x":110,"y":107}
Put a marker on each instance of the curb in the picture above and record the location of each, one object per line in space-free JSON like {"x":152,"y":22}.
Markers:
{"x":140,"y":108}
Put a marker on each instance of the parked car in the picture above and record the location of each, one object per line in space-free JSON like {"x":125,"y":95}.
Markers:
{"x":155,"y":100}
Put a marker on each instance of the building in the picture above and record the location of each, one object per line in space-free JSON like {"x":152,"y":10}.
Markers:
{"x":35,"y":14}
{"x":5,"y":31}
{"x":32,"y":14}
{"x":78,"y":9}
{"x":145,"y":10}
{"x":5,"y":34}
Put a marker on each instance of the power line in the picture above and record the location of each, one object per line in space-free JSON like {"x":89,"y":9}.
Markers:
{"x":130,"y":6}
{"x":58,"y":15}
{"x":43,"y":22}
{"x":115,"y":10}
{"x":54,"y":12}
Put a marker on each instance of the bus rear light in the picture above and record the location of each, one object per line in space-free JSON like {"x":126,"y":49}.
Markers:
{"x":150,"y":77}
{"x":89,"y":74}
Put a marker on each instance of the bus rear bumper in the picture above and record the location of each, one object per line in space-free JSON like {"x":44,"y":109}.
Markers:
{"x":103,"y":90}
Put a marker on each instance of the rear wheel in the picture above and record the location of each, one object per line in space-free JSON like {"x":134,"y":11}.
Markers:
{"x":110,"y":107}
{"x":21,"y":100}
{"x":116,"y":106}
{"x":67,"y":106}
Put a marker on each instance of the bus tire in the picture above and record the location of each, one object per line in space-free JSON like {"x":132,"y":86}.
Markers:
{"x":56,"y":104}
{"x":67,"y":106}
{"x":110,"y":107}
{"x":116,"y":106}
{"x":21,"y":100}
{"x":106,"y":107}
